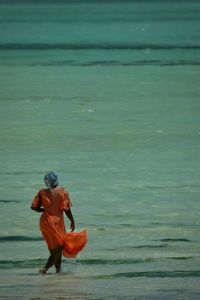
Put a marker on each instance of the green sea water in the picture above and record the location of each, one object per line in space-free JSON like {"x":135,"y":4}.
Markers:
{"x":107,"y":96}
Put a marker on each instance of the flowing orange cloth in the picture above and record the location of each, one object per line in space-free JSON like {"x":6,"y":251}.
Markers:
{"x":52,"y":223}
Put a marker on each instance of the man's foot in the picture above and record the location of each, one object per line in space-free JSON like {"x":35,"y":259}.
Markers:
{"x":43,"y":271}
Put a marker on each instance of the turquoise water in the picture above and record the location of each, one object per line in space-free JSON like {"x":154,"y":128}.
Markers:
{"x":107,"y":96}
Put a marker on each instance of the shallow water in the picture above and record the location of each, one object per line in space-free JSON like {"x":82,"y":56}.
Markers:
{"x":108,"y":97}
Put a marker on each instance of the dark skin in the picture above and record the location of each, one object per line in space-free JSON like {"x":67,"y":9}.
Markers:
{"x":70,"y":217}
{"x":37,"y":209}
{"x":56,"y":254}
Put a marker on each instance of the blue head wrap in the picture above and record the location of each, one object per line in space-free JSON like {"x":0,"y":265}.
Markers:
{"x":51,"y":180}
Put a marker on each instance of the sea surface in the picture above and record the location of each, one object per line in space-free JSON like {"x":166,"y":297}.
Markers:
{"x":106,"y":94}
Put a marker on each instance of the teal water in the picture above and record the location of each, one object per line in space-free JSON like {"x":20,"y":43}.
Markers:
{"x":107,"y":96}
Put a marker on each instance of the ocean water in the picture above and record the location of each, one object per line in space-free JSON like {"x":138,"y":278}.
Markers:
{"x":107,"y":95}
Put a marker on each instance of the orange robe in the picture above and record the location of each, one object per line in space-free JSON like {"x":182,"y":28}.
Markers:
{"x":52,"y":223}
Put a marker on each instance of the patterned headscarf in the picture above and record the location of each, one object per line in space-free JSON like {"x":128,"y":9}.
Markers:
{"x":51,"y":180}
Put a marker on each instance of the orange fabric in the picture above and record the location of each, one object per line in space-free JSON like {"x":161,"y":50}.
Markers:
{"x":52,"y":223}
{"x":74,"y":242}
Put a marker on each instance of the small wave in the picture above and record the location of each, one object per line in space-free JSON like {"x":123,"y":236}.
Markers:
{"x":17,"y":238}
{"x":21,"y":172}
{"x":175,"y":224}
{"x":114,"y":261}
{"x":151,"y":246}
{"x":21,"y":264}
{"x":174,"y":240}
{"x":95,"y":46}
{"x":110,"y":63}
{"x":163,"y":187}
{"x":9,"y":201}
{"x":118,"y":63}
{"x":35,"y":263}
{"x":181,"y":258}
{"x":152,"y":274}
